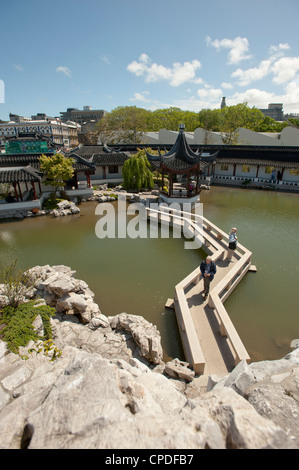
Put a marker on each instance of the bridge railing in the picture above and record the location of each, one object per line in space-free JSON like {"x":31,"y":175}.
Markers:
{"x":216,"y":241}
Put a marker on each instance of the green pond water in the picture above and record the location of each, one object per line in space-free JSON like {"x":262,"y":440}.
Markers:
{"x":137,"y":276}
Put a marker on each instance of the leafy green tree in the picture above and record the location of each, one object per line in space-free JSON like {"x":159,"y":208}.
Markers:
{"x":234,"y":117}
{"x":171,"y":118}
{"x":58,"y":170}
{"x":209,"y":120}
{"x":124,"y":124}
{"x":137,"y":173}
{"x":293,"y":122}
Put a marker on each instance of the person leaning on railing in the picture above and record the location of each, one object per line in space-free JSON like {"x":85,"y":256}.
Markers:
{"x":208,"y":271}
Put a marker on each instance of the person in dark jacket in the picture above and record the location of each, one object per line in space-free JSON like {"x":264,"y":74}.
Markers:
{"x":208,"y":271}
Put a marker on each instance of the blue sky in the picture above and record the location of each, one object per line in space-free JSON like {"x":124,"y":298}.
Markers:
{"x":150,"y":54}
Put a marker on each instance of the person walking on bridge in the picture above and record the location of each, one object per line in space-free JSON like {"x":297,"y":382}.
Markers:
{"x":208,"y":271}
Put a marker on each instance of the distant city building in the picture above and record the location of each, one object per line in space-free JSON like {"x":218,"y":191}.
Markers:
{"x":37,"y":117}
{"x":82,"y":116}
{"x":291,"y":116}
{"x":274,"y":111}
{"x":87,"y":118}
{"x":60,"y":133}
{"x":17,"y":118}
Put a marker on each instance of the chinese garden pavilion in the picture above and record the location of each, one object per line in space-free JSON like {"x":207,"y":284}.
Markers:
{"x":182,"y":160}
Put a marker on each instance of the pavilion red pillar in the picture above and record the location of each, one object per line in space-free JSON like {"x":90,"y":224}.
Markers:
{"x":34,"y":192}
{"x":88,"y":179}
{"x":16,"y":192}
{"x":188,"y":185}
{"x":197,"y":182}
{"x":20,"y":192}
{"x":170,"y":189}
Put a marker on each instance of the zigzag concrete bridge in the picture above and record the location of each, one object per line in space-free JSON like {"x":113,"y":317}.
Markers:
{"x":210,"y":341}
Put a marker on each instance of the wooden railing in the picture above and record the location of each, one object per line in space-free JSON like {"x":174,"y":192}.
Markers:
{"x":214,"y":240}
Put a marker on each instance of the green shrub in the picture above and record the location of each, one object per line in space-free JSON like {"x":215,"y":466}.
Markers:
{"x":51,"y":203}
{"x":63,"y":195}
{"x":15,"y":284}
{"x":18,"y":329}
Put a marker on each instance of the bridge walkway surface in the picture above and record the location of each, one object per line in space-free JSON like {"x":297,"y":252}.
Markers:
{"x":211,"y":343}
{"x":219,"y":358}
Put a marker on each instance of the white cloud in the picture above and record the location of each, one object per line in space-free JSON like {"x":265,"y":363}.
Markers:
{"x":290,"y":99}
{"x":253,"y":96}
{"x":278,"y":50}
{"x":226,"y":85}
{"x":260,"y":98}
{"x":65,"y":70}
{"x":285,"y":69}
{"x":245,"y":77}
{"x":141,"y":97}
{"x":211,"y":98}
{"x":211,"y":93}
{"x":105,"y":59}
{"x":175,"y":75}
{"x":238,"y":48}
{"x":19,"y":67}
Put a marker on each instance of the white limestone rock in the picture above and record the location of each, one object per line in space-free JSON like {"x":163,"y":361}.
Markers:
{"x":65,"y":208}
{"x":241,"y":425}
{"x":61,"y":290}
{"x":83,"y":401}
{"x":145,"y":334}
{"x":179,"y":370}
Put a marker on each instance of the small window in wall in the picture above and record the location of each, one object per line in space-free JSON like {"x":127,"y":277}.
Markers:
{"x":246,"y":168}
{"x":224,"y":167}
{"x":294,"y":171}
{"x":269,"y":169}
{"x":113,"y":169}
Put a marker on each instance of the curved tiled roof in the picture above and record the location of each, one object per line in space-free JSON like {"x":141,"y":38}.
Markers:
{"x":102,"y":155}
{"x":7,"y":160}
{"x":181,"y":158}
{"x":19,"y":175}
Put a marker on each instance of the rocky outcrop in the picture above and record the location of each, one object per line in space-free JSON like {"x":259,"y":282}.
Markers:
{"x":65,"y":208}
{"x":83,"y":400}
{"x":146,"y":335}
{"x":110,"y":388}
{"x":61,"y":290}
{"x":271,"y":387}
{"x":79,"y":321}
